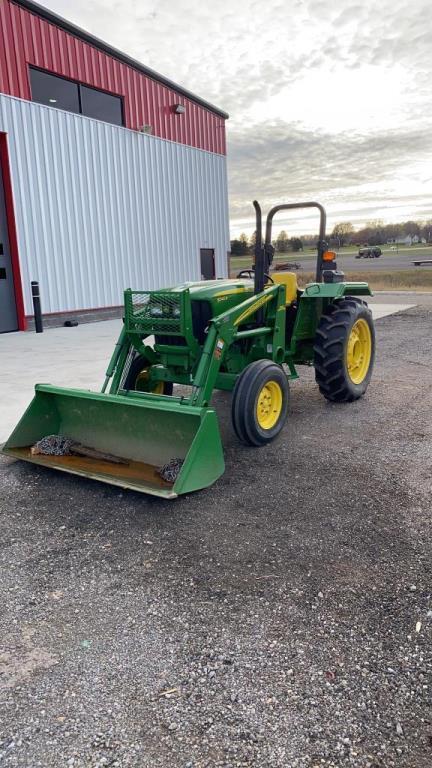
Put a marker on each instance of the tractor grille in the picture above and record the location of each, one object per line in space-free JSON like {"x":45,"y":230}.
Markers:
{"x":149,"y":312}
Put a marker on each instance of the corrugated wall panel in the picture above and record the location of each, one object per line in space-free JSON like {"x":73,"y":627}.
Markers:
{"x":100,"y":208}
{"x":27,"y":39}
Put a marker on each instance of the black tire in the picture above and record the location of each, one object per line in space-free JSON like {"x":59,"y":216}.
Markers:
{"x":138,"y":365}
{"x":331,"y":346}
{"x":247,"y":390}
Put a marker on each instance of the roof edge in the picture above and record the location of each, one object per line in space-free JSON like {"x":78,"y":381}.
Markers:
{"x":59,"y":21}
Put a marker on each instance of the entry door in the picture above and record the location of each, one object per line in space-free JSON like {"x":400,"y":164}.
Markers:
{"x":208,"y":271}
{"x":8,"y":313}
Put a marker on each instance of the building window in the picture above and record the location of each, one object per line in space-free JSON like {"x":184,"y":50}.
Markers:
{"x":55,"y":91}
{"x":101,"y":105}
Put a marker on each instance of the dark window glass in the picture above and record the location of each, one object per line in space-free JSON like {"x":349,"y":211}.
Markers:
{"x":54,"y":91}
{"x":64,"y":94}
{"x":101,"y":105}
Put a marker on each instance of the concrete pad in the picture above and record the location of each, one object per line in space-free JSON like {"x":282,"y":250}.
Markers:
{"x":421,"y":298}
{"x":382,"y":310}
{"x":70,"y":357}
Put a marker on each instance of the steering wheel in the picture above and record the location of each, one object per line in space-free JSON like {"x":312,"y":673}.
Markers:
{"x":251,"y":274}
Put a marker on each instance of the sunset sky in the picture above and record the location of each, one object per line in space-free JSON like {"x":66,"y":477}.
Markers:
{"x":331,"y":102}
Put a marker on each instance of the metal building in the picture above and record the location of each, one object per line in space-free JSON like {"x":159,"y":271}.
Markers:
{"x":111,"y":175}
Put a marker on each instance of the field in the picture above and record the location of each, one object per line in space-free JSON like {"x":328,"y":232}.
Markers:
{"x":394,"y":270}
{"x":406,"y":252}
{"x":407,"y":280}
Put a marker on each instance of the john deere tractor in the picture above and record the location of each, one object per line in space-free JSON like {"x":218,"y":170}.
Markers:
{"x":247,"y":335}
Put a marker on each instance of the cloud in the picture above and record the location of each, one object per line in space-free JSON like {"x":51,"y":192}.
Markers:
{"x":330,"y":101}
{"x":352,"y":175}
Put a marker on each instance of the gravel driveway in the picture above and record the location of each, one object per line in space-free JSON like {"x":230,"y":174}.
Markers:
{"x":282,"y":618}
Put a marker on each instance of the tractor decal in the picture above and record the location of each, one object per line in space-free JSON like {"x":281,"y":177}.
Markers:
{"x":250,"y":311}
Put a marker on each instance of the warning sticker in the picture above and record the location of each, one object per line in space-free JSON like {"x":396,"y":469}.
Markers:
{"x":218,"y":349}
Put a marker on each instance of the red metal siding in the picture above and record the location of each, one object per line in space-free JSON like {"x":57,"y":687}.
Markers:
{"x":27,"y":39}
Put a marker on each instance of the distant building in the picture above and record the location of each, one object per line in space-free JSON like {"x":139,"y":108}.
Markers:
{"x":111,"y":175}
{"x":407,"y":240}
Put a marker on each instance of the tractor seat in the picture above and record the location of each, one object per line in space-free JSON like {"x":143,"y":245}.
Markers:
{"x":289,"y":280}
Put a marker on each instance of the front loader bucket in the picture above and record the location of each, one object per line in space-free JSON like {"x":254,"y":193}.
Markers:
{"x":147,"y":431}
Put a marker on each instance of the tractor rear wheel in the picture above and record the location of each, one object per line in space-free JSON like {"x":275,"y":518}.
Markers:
{"x":260,"y":402}
{"x":138,"y":378}
{"x":344,"y":350}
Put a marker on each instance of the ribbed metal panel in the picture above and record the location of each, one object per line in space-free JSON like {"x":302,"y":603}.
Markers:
{"x":26,"y":38}
{"x":100,"y":208}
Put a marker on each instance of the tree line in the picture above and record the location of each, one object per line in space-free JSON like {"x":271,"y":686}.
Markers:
{"x":373,"y":233}
{"x":244,"y":245}
{"x":377,"y":233}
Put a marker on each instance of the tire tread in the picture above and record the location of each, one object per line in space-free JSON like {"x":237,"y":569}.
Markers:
{"x":329,"y":349}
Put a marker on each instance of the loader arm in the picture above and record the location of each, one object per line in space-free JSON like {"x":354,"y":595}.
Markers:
{"x":226,"y":328}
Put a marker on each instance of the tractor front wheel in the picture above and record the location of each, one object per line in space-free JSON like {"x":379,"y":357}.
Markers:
{"x":260,"y":402}
{"x":344,"y":350}
{"x":138,"y":378}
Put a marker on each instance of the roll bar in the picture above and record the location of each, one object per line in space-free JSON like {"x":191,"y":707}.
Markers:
{"x":264,"y":254}
{"x":260,"y":267}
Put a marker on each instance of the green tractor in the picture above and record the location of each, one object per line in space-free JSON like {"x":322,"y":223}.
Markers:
{"x":247,"y":335}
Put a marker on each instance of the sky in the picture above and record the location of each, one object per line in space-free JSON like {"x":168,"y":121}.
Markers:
{"x":327,"y":101}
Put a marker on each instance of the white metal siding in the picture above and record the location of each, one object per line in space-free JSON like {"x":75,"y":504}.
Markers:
{"x":100,"y":208}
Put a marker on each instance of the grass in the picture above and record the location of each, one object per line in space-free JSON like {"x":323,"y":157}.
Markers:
{"x":408,"y":252}
{"x":244,"y":262}
{"x":406,"y":280}
{"x":412,"y":279}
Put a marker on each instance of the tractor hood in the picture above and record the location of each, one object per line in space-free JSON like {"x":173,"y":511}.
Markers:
{"x":213,"y":289}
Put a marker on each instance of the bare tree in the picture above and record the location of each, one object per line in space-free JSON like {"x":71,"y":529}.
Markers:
{"x":282,"y":242}
{"x":342,"y":232}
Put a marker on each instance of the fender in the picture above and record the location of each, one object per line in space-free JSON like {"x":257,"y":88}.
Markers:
{"x":335,"y":290}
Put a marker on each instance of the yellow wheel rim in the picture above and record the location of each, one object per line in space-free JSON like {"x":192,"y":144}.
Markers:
{"x":359,"y":351}
{"x":142,"y":383}
{"x":269,"y":405}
